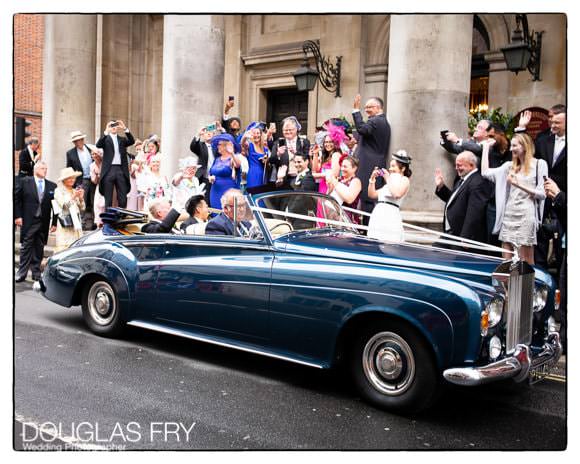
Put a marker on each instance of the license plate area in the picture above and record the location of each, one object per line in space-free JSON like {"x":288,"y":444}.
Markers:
{"x":539,"y":373}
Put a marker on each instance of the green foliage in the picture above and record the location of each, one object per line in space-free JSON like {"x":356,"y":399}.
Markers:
{"x":505,"y":120}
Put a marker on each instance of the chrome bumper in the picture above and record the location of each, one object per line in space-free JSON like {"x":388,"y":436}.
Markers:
{"x":519,"y":366}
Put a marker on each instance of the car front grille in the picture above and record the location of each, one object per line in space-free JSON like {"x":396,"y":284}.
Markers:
{"x":518,"y":281}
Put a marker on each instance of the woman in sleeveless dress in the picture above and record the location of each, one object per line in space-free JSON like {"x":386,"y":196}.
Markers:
{"x":257,"y":154}
{"x":346,"y":190}
{"x":386,"y":222}
{"x":519,"y":196}
{"x":222,"y":173}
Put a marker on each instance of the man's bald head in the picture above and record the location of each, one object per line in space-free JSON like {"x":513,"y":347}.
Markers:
{"x":465,"y":162}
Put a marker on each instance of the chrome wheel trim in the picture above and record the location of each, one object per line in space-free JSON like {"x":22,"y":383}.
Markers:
{"x":388,"y":363}
{"x":101,"y":303}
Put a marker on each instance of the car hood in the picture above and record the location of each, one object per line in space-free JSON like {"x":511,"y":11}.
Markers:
{"x":341,"y":245}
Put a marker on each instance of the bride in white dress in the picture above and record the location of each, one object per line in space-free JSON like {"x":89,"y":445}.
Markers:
{"x":386,"y":222}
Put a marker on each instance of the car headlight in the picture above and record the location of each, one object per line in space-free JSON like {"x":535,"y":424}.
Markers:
{"x":495,"y":311}
{"x":494,"y":348}
{"x":540,"y":297}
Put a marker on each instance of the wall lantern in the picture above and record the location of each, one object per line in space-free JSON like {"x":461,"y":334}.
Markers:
{"x":525,"y":49}
{"x":326,"y":72}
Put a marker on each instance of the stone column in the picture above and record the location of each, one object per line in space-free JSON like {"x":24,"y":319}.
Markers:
{"x":68,"y":101}
{"x":428,"y":91}
{"x":193,"y":82}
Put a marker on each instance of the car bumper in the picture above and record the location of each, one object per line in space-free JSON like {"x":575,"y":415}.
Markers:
{"x":520,"y":366}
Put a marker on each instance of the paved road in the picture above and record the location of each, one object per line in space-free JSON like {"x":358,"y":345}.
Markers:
{"x":151,"y":391}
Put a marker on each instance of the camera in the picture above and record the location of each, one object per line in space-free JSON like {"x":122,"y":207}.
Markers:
{"x":231,"y":98}
{"x":211,"y":127}
{"x":281,"y":142}
{"x":114,"y":124}
{"x":443,"y":134}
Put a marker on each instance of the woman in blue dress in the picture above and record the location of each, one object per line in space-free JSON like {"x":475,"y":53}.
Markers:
{"x":222,"y":174}
{"x":257,"y":153}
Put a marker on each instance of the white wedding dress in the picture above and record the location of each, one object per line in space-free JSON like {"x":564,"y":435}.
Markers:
{"x":386,"y":222}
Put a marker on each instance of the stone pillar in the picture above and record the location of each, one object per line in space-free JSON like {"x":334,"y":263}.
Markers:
{"x":428,"y":91}
{"x":69,"y":75}
{"x":193,"y":82}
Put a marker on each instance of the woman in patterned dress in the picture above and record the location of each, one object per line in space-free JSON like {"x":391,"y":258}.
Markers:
{"x":519,"y":196}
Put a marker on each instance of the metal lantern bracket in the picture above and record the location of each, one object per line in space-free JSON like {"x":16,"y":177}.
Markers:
{"x":328,"y":73}
{"x":534,"y":42}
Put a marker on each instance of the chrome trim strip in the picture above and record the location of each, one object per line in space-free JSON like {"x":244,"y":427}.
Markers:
{"x":201,"y":338}
{"x":244,"y":245}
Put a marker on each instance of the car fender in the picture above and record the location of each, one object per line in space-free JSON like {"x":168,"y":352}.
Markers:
{"x":68,"y":271}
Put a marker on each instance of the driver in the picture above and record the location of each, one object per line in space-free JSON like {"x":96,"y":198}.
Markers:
{"x":164,"y":217}
{"x":223,"y":224}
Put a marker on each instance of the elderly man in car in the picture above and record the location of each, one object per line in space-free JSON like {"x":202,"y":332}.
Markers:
{"x":164,"y":218}
{"x":223,"y":224}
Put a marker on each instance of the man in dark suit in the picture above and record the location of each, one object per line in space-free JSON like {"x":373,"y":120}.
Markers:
{"x":201,"y":146}
{"x":32,"y":212}
{"x":28,"y":157}
{"x":223,"y":224}
{"x":198,"y":211}
{"x":302,"y":204}
{"x":79,"y":158}
{"x":164,"y":217}
{"x":465,"y":206}
{"x":453,"y":144}
{"x":280,"y":168}
{"x":553,"y":150}
{"x":373,"y":144}
{"x":115,"y":167}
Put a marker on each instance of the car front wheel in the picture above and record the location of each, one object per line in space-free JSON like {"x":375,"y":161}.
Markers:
{"x":101,"y":310}
{"x":392,"y":368}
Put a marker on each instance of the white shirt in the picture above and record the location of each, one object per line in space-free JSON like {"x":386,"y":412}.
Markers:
{"x":210,"y":157}
{"x":117,"y":155}
{"x":559,"y":144}
{"x":453,"y":195}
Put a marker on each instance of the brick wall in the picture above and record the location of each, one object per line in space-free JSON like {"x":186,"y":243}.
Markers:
{"x":28,"y":46}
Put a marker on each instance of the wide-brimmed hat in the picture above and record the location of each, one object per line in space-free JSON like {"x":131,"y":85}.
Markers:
{"x":65,"y":173}
{"x":223,"y":138}
{"x":188,"y":162}
{"x":402,"y":157}
{"x":77,"y":135}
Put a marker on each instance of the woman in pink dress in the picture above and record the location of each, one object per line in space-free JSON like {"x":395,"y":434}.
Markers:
{"x":346,"y":190}
{"x":326,"y":162}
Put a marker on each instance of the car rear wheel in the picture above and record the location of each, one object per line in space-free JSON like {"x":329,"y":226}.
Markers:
{"x":101,"y":310}
{"x":392,"y":368}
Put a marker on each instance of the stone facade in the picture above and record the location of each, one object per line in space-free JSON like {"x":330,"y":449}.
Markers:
{"x":169,"y":74}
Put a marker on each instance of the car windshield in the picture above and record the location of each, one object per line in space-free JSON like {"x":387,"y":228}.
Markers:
{"x":298,"y":211}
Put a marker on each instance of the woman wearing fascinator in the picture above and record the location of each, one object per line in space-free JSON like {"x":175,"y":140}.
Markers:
{"x":386,"y":222}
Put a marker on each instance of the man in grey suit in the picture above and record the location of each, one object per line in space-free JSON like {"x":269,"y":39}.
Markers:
{"x":374,"y":137}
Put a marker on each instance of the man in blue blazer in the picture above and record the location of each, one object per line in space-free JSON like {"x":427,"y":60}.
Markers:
{"x":115,"y":169}
{"x":223,"y":224}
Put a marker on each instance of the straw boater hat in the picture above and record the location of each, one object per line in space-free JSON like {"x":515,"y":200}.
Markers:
{"x":68,"y":172}
{"x":402,"y":157}
{"x":77,"y":135}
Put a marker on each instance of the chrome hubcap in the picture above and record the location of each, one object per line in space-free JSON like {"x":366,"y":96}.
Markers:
{"x":101,"y":302}
{"x":388,"y":363}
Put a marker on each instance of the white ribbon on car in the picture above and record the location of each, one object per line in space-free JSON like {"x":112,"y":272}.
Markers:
{"x":447,"y":238}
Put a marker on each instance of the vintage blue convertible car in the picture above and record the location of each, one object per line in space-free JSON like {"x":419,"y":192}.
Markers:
{"x":400,"y":317}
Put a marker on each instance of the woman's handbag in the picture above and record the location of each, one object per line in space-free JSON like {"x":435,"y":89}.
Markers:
{"x":65,"y":221}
